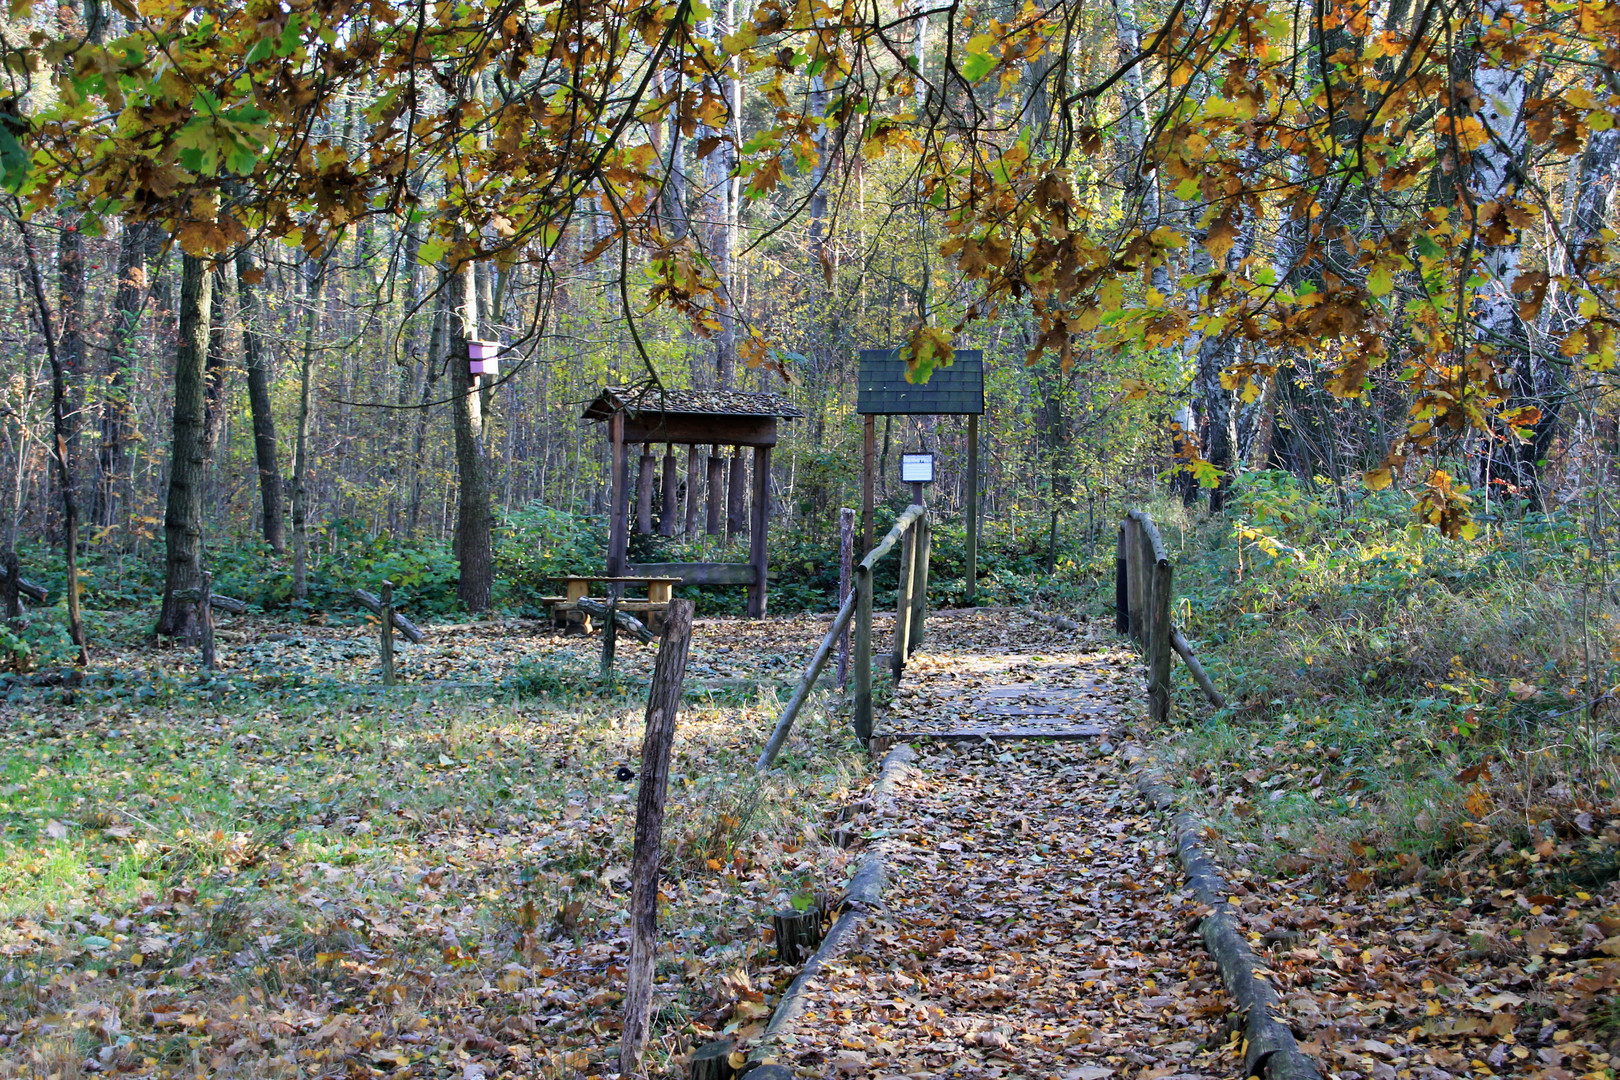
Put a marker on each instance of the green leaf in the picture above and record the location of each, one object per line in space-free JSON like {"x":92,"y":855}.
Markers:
{"x":1379,"y":283}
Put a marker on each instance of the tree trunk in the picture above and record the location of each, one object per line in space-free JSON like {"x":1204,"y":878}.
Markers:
{"x":134,"y":248}
{"x":264,"y":423}
{"x":473,"y":542}
{"x":717,"y":197}
{"x":217,"y":367}
{"x":430,"y":378}
{"x":1499,"y":334}
{"x":182,"y":521}
{"x":62,"y":429}
{"x":300,"y":471}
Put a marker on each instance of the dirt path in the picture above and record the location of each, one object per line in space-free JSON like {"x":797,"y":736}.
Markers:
{"x":1033,"y":923}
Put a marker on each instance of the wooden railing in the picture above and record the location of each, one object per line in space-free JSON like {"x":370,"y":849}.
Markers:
{"x":911,"y":531}
{"x":1142,"y":605}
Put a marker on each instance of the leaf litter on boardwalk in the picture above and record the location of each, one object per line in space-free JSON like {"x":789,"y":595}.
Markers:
{"x":1032,"y":926}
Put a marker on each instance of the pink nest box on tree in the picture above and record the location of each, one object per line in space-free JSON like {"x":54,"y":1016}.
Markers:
{"x":482,"y":356}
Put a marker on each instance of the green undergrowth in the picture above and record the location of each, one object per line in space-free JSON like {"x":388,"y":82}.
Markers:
{"x":1393,"y":696}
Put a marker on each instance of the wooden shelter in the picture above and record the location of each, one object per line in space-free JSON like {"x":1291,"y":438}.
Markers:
{"x":716,"y":419}
{"x":956,"y":390}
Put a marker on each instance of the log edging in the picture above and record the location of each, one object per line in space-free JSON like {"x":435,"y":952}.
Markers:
{"x":863,"y":895}
{"x":1270,"y":1049}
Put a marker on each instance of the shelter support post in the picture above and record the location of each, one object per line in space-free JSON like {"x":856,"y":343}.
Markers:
{"x":971,"y":509}
{"x":737,"y":494}
{"x":715,"y":522}
{"x":619,"y":514}
{"x":868,"y":471}
{"x":759,"y":528}
{"x":694,"y":488}
{"x":644,"y":490}
{"x":670,"y":508}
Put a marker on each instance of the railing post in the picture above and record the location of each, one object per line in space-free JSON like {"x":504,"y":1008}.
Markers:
{"x":1133,"y":578}
{"x":902,"y":602}
{"x":919,"y":583}
{"x":1122,"y":594}
{"x":863,"y":652}
{"x":1159,"y":654}
{"x":387,"y":632}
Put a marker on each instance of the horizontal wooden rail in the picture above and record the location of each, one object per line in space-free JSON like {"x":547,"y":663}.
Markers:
{"x":372,"y":603}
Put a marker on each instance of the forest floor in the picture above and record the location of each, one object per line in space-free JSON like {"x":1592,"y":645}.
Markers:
{"x":1033,"y":924}
{"x":270,"y":873}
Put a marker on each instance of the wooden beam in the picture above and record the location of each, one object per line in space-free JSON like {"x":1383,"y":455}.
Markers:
{"x":759,"y":531}
{"x":715,"y":573}
{"x":687,"y":428}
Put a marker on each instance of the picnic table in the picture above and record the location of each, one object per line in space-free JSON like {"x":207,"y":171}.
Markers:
{"x":565,"y":609}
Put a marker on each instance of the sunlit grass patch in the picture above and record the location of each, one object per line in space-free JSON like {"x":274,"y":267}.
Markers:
{"x":437,"y":876}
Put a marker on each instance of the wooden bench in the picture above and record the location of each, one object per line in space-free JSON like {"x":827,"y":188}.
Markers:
{"x":565,"y":609}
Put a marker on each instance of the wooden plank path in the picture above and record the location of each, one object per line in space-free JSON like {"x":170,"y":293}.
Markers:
{"x":1006,"y":676}
{"x":1033,"y":923}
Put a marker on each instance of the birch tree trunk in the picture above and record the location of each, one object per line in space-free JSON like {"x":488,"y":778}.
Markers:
{"x":1494,"y":178}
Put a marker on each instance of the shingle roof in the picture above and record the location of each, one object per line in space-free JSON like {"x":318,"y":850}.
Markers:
{"x":654,"y":400}
{"x":957,"y":390}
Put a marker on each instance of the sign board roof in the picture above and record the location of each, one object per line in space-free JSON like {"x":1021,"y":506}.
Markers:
{"x":957,"y":390}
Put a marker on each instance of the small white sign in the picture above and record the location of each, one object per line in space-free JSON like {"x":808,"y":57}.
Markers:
{"x":917,"y":468}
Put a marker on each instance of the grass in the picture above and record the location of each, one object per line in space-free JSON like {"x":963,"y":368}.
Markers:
{"x":214,"y":886}
{"x":1393,"y":694}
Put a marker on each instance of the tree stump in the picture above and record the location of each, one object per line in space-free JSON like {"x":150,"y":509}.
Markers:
{"x":711,"y":1061}
{"x":798,"y":934}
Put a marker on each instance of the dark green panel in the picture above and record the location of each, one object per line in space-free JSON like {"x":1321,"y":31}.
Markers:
{"x":957,"y":390}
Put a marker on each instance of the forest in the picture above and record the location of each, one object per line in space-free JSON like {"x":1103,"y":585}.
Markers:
{"x":1238,"y":700}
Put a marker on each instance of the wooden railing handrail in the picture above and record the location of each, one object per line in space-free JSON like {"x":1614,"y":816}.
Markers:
{"x":901,"y":524}
{"x":910,"y":612}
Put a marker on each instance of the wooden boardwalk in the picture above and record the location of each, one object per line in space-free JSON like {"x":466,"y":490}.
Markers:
{"x":1006,"y":675}
{"x":1033,"y":924}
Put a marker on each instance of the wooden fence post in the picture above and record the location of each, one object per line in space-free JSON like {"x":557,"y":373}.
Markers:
{"x":1133,"y":577}
{"x":1158,"y":648}
{"x":902,"y":602}
{"x":846,"y":582}
{"x":919,"y":583}
{"x":205,"y":619}
{"x":1122,"y":595}
{"x":663,"y":701}
{"x":387,"y":632}
{"x":863,"y":652}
